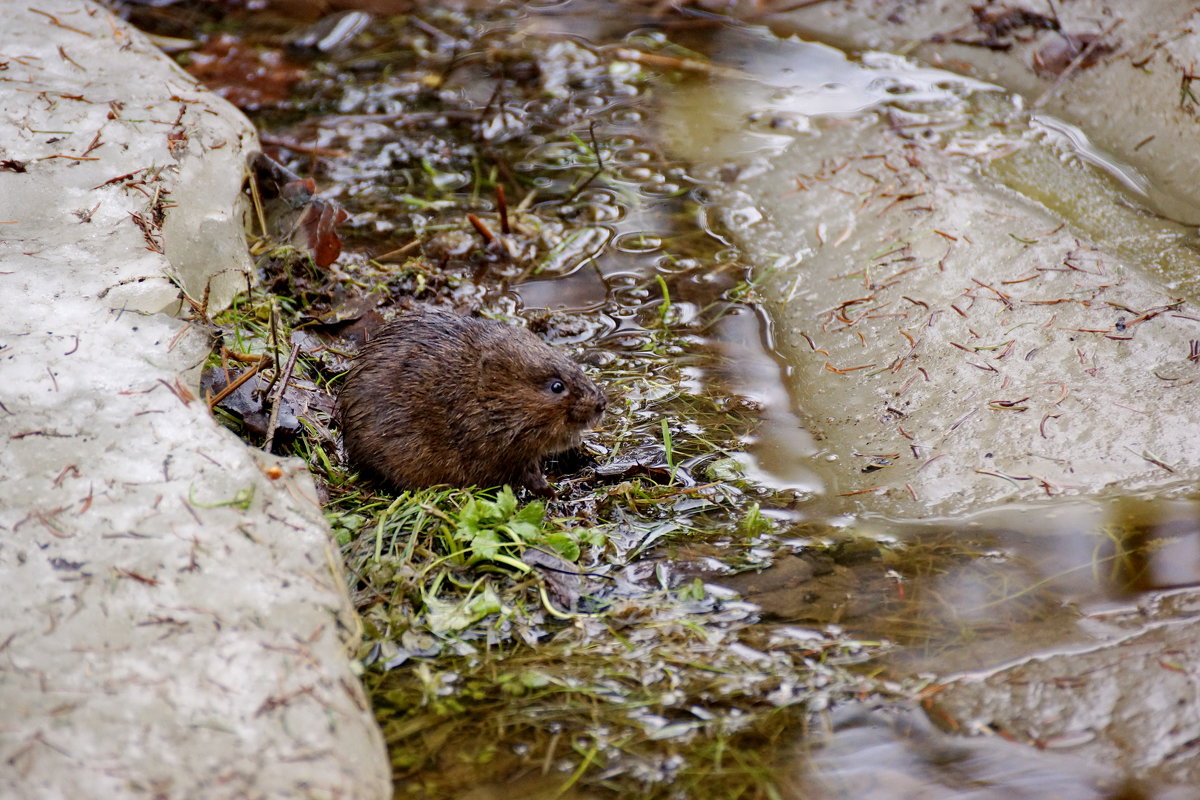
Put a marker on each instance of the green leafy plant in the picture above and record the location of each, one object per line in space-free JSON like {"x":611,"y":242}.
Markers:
{"x":493,"y":529}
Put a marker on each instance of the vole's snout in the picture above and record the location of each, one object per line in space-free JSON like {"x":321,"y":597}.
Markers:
{"x":588,"y":406}
{"x":593,"y":403}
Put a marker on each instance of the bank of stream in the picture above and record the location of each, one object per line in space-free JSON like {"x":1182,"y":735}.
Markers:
{"x":704,"y":610}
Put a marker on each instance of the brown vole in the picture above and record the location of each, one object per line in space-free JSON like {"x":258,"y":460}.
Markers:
{"x":437,"y":398}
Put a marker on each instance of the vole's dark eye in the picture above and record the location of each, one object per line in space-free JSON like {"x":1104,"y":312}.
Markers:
{"x":557,"y":386}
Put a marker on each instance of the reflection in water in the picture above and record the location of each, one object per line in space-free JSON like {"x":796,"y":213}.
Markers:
{"x":1100,"y":552}
{"x":987,"y":589}
{"x":785,"y":85}
{"x":1040,"y":578}
{"x":873,"y":755}
{"x":1155,"y":545}
{"x":782,"y":449}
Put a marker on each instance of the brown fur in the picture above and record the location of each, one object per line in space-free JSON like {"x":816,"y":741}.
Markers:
{"x":438,"y":398}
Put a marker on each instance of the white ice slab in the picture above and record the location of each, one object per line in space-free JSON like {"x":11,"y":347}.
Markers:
{"x":174,"y":622}
{"x":950,"y":342}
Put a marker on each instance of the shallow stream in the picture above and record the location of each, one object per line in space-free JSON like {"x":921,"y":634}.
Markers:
{"x":823,"y":575}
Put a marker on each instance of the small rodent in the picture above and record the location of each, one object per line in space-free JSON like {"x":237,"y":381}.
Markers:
{"x":439,"y":398}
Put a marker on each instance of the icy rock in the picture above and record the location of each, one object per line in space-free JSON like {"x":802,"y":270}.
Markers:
{"x":1131,"y":91}
{"x":175,"y":622}
{"x":952,"y":343}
